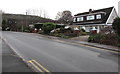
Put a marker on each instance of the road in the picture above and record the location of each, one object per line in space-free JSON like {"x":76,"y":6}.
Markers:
{"x":61,"y":57}
{"x":11,"y":62}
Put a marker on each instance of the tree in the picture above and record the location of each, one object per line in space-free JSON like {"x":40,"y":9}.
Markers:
{"x":37,"y":12}
{"x":116,"y":25}
{"x":58,"y":16}
{"x":64,"y":17}
{"x":47,"y":27}
{"x":33,"y":12}
{"x":4,"y":26}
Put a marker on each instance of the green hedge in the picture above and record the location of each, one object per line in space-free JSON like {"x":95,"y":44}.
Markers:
{"x":47,"y":27}
{"x":95,"y":38}
{"x":108,"y":39}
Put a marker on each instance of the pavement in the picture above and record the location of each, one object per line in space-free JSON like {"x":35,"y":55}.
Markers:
{"x":55,"y":55}
{"x":12,"y":62}
{"x":83,"y":40}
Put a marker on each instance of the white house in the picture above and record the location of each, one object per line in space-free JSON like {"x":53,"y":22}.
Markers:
{"x":95,"y":18}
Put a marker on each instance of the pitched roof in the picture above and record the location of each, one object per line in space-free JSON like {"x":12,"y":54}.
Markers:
{"x":107,"y":12}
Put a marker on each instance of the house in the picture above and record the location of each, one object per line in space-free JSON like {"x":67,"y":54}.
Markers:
{"x":97,"y":19}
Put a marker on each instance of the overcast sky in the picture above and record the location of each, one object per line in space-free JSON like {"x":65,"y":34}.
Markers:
{"x":53,"y":6}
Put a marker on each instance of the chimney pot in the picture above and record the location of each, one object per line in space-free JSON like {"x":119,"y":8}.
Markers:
{"x":90,"y":10}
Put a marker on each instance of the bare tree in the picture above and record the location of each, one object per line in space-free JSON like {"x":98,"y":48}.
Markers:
{"x":64,"y":17}
{"x":45,"y":14}
{"x":58,"y":16}
{"x":40,"y":12}
{"x":32,"y":12}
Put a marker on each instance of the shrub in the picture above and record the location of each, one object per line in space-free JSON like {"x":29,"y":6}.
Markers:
{"x":95,"y":38}
{"x":26,"y":29}
{"x":47,"y":27}
{"x":110,"y":39}
{"x":38,"y":26}
{"x":82,"y":30}
{"x":106,"y":30}
{"x":116,"y":25}
{"x":83,"y":33}
{"x":4,"y":25}
{"x":65,"y":33}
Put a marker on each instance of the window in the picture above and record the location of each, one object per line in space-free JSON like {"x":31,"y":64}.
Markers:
{"x":91,"y":17}
{"x":98,"y":16}
{"x":74,"y":20}
{"x":80,"y":19}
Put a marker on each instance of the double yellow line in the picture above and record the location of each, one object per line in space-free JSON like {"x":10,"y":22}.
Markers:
{"x":39,"y":67}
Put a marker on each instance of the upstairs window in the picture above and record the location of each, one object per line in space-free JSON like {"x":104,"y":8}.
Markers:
{"x":91,"y":17}
{"x":98,"y":16}
{"x":80,"y":19}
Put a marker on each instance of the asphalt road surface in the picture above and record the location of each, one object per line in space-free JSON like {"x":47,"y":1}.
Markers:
{"x":60,"y":57}
{"x":11,"y":62}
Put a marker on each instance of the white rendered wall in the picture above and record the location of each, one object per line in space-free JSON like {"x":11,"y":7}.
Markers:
{"x":112,"y":16}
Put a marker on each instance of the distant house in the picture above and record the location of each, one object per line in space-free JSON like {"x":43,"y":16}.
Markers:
{"x":95,"y":19}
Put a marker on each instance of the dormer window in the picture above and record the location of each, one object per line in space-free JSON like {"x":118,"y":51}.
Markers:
{"x":98,"y":16}
{"x":80,"y":19}
{"x":91,"y":17}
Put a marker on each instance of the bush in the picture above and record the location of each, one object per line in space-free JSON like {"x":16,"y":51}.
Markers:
{"x":26,"y":29}
{"x":4,"y":25}
{"x":95,"y":38}
{"x":110,"y":39}
{"x":38,"y":26}
{"x":47,"y":27}
{"x":83,"y":33}
{"x":116,"y":25}
{"x":106,"y":30}
{"x":62,"y":30}
{"x":65,"y":33}
{"x":82,"y":30}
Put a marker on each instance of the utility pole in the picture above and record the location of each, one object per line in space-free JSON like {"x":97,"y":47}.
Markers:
{"x":22,"y":27}
{"x":26,"y":18}
{"x":0,"y":19}
{"x":25,"y":22}
{"x":119,"y":8}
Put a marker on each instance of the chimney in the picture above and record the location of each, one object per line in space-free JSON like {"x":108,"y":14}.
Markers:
{"x":90,"y":10}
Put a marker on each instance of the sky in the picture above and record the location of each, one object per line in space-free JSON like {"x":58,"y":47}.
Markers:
{"x":52,"y":7}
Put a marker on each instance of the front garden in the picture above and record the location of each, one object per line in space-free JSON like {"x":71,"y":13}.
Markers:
{"x":56,"y":30}
{"x":108,"y":35}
